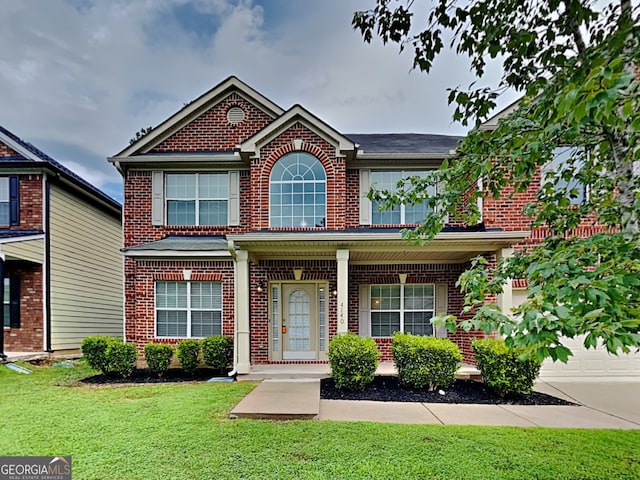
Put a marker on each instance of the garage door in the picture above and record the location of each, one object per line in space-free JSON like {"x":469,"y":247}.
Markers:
{"x":587,"y":363}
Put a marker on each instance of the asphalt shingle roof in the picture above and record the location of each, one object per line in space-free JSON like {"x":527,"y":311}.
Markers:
{"x":404,"y":142}
{"x":56,"y":166}
{"x":184,"y":243}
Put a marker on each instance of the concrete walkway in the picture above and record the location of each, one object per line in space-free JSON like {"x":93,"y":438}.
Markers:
{"x":605,"y":404}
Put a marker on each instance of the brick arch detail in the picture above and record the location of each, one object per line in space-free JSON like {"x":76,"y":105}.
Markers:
{"x":333,"y":179}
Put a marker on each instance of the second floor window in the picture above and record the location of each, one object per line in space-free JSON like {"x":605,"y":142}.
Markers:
{"x":4,"y":201}
{"x":565,"y":182}
{"x":197,"y":198}
{"x":298,"y":192}
{"x":402,"y":214}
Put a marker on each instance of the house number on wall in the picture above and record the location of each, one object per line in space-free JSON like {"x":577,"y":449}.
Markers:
{"x":342,"y":313}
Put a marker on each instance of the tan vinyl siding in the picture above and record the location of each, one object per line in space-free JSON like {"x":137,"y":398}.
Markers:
{"x":86,"y":271}
{"x":30,"y":250}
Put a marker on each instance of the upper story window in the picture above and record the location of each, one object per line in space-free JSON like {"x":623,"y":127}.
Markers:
{"x":9,"y":201}
{"x":298,"y":192}
{"x":564,"y":181}
{"x":402,"y":214}
{"x":4,"y":201}
{"x":197,"y":198}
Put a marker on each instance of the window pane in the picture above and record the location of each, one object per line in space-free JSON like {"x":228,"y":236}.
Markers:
{"x":566,"y":182}
{"x":206,"y":324}
{"x":172,"y":323}
{"x":7,"y":302}
{"x":383,"y":324}
{"x":171,"y":295}
{"x":181,"y":186}
{"x":389,"y":217}
{"x":4,"y":213}
{"x":418,"y":323}
{"x":181,"y":212}
{"x":206,"y":295}
{"x":213,"y":186}
{"x":385,"y":297}
{"x":213,"y":212}
{"x":4,"y":189}
{"x":418,"y":297}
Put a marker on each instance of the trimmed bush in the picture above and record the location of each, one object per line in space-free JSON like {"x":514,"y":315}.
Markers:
{"x":353,"y":361}
{"x":158,"y":357}
{"x":121,"y":357}
{"x":110,"y":355}
{"x":94,"y":351}
{"x":217,"y":352}
{"x":187,"y":353}
{"x":503,"y":369}
{"x":425,"y":362}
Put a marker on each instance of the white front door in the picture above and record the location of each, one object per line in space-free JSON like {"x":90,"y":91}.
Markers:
{"x":299,"y":322}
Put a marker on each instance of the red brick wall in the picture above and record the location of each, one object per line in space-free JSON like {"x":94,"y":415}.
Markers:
{"x":30,"y":189}
{"x":432,"y":274}
{"x":7,"y":151}
{"x":30,"y":336}
{"x":140,"y":278}
{"x":137,"y":212}
{"x":311,"y":143}
{"x":211,"y":132}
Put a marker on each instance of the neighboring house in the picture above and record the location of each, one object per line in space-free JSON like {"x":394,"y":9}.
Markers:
{"x":249,"y":220}
{"x":60,"y":262}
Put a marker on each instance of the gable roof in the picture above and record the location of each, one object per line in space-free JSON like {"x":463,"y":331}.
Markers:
{"x":29,"y":154}
{"x":196,"y":108}
{"x":296,"y":114}
{"x":492,"y":122}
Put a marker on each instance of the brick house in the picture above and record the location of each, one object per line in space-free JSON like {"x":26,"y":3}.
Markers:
{"x":60,"y":263}
{"x":249,"y":220}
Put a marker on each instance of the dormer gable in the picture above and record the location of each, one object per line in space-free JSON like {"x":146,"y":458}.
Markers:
{"x":238,"y":105}
{"x":298,"y":115}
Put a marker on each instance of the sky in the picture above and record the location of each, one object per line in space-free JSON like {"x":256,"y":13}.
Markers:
{"x":78,"y":78}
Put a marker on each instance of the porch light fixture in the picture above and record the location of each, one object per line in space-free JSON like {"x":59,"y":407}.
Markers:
{"x":260,"y":286}
{"x":334,"y":292}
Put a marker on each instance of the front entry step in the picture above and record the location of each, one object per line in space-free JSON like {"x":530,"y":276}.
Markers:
{"x":281,"y":399}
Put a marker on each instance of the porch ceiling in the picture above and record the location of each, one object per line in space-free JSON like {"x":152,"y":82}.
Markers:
{"x":455,"y":247}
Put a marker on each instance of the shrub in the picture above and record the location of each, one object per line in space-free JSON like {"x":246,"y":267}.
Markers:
{"x":94,"y":351}
{"x":158,"y":357}
{"x":425,"y":362}
{"x":187,"y":353}
{"x":504,"y":369}
{"x":353,"y":361}
{"x":121,"y":357}
{"x":217,"y":352}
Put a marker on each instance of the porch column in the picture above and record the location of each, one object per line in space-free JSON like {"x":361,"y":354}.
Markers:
{"x":505,"y":300}
{"x":342,"y":257}
{"x":241,"y":324}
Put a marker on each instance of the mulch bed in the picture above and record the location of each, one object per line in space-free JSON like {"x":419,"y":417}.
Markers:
{"x":143,"y":375}
{"x":388,"y":389}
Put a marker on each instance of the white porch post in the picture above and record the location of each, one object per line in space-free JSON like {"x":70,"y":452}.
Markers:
{"x":342,"y":257}
{"x":241,"y":324}
{"x":505,"y":300}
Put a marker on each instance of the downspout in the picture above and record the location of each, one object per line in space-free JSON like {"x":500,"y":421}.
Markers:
{"x":2,"y":354}
{"x":47,"y":265}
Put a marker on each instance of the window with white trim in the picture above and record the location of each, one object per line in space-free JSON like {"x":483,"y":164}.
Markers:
{"x":197,"y":198}
{"x":564,"y":180}
{"x":401,"y":214}
{"x":188,"y":309}
{"x":402,"y":308}
{"x":298,"y":192}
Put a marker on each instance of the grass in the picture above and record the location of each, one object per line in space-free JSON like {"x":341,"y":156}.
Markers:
{"x":181,"y":431}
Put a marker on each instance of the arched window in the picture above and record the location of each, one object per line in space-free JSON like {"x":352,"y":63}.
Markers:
{"x":298,"y":192}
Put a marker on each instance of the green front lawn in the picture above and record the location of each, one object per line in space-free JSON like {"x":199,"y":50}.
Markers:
{"x":182,"y":432}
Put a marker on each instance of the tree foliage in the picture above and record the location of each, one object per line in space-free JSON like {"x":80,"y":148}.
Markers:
{"x":576,"y":67}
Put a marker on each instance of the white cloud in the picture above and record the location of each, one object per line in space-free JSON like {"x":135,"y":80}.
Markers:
{"x":91,"y":73}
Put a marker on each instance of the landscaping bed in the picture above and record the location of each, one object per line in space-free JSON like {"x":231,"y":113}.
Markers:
{"x":145,"y":376}
{"x":387,"y":389}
